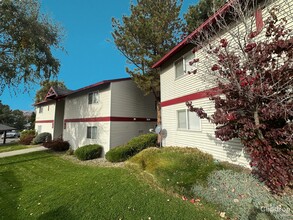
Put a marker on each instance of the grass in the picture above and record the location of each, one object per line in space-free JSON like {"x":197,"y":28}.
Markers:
{"x":177,"y":168}
{"x":42,"y":185}
{"x":13,"y":146}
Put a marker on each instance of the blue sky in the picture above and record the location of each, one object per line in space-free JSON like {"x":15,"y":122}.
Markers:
{"x":89,"y":57}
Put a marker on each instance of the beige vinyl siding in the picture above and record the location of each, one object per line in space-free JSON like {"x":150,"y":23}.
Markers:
{"x":172,"y":88}
{"x":128,"y":101}
{"x":77,"y":107}
{"x":76,"y":134}
{"x":48,"y":114}
{"x":122,"y":132}
{"x":45,"y":127}
{"x":204,"y":139}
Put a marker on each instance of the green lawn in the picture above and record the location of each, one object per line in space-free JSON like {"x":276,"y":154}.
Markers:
{"x":13,"y":146}
{"x":41,"y":185}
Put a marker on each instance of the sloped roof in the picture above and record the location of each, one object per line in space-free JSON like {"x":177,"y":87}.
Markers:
{"x":59,"y":93}
{"x":62,"y":91}
{"x":5,"y":127}
{"x":55,"y":92}
{"x":195,"y":33}
{"x":98,"y":84}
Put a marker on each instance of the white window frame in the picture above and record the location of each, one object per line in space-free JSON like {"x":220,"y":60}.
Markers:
{"x":95,"y":97}
{"x":40,"y":109}
{"x":187,"y":121}
{"x":91,"y":132}
{"x":39,"y":129}
{"x":185,"y":64}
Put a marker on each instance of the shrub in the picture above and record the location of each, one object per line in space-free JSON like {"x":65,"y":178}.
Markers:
{"x":57,"y":145}
{"x":42,"y":137}
{"x":134,"y":146}
{"x":89,"y":152}
{"x":243,"y":196}
{"x":175,"y":167}
{"x":27,"y":136}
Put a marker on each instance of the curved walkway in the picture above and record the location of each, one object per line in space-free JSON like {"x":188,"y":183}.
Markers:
{"x":23,"y":151}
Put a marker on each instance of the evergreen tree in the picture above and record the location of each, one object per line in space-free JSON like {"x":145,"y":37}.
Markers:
{"x":152,"y":29}
{"x":199,"y":13}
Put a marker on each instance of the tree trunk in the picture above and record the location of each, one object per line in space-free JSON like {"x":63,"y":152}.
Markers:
{"x":159,"y":122}
{"x":256,"y":121}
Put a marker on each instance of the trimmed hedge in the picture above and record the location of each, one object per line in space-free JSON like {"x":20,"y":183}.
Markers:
{"x":134,"y":146}
{"x":42,"y":137}
{"x":57,"y":145}
{"x":89,"y":152}
{"x":27,"y":136}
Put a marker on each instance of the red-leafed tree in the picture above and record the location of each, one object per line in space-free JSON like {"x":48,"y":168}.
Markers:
{"x":254,"y":72}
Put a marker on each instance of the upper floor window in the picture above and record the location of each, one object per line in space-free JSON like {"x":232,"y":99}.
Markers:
{"x":93,"y":97}
{"x":92,"y":132}
{"x":182,"y":65}
{"x":187,"y":120}
{"x":41,"y":109}
{"x":179,"y":70}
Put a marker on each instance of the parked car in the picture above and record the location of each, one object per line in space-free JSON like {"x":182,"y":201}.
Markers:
{"x":11,"y":134}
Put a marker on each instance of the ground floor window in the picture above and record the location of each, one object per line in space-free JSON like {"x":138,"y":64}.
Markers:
{"x":91,"y":132}
{"x":187,"y":120}
{"x":39,"y":129}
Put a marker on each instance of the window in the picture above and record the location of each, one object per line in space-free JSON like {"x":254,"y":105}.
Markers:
{"x":179,"y":71}
{"x":41,"y":109}
{"x":182,"y":65}
{"x":93,"y":97}
{"x":91,"y":132}
{"x":39,"y":129}
{"x":187,"y":120}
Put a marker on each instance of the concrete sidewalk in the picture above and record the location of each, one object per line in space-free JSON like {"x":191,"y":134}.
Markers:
{"x":23,"y":151}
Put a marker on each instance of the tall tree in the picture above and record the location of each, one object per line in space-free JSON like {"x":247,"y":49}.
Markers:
{"x":6,"y":116}
{"x":253,"y":69}
{"x":45,"y":86}
{"x":26,"y":41}
{"x":200,"y":12}
{"x":32,"y":120}
{"x":152,"y":29}
{"x":13,"y":118}
{"x":19,"y":120}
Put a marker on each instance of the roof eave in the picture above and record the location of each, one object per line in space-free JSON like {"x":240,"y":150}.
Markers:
{"x":186,"y":40}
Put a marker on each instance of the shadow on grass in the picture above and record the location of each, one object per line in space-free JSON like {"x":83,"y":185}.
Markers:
{"x":58,"y":213}
{"x":23,"y":158}
{"x":10,"y":189}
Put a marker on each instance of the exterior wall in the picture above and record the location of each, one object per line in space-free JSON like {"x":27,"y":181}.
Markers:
{"x":75,"y":133}
{"x":78,"y":114}
{"x":172,"y":88}
{"x":46,"y":118}
{"x":129,"y":102}
{"x":59,"y":117}
{"x":122,"y":132}
{"x":76,"y":106}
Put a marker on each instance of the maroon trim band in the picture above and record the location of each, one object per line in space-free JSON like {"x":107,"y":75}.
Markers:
{"x":45,"y":121}
{"x":112,"y":118}
{"x":190,"y":97}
